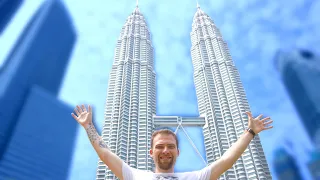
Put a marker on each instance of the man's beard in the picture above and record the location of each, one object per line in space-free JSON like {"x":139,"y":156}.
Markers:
{"x":165,"y":165}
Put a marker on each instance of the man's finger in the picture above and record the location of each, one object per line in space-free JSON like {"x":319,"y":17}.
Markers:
{"x":249,"y":114}
{"x":84,"y":108}
{"x":269,"y":127}
{"x":79,"y":109}
{"x":264,"y":119}
{"x":76,"y":111}
{"x":269,"y":122}
{"x":74,"y":116}
{"x":89,"y":108}
{"x":259,"y":117}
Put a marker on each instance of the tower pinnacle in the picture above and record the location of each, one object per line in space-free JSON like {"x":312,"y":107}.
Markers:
{"x":136,"y":10}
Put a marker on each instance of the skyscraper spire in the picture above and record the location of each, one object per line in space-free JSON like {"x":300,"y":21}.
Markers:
{"x":198,"y":6}
{"x":136,"y":10}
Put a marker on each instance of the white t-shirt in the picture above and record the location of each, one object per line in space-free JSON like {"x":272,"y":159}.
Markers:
{"x":130,"y":173}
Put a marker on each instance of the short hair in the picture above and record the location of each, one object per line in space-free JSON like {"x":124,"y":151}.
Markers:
{"x":164,"y":131}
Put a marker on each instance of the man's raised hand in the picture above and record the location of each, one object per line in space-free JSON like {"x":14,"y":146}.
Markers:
{"x":83,"y":116}
{"x":257,"y":124}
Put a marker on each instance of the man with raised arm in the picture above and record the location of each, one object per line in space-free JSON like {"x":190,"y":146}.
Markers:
{"x":164,"y":151}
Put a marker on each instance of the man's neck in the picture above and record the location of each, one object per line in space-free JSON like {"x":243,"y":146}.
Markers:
{"x":158,"y":170}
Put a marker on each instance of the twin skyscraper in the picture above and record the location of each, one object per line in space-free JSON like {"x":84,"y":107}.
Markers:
{"x":130,"y":112}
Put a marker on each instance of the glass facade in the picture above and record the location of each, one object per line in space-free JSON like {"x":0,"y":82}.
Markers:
{"x":42,"y":143}
{"x":36,"y":136}
{"x":7,"y":11}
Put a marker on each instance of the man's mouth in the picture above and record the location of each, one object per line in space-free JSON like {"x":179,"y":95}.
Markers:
{"x":165,"y":158}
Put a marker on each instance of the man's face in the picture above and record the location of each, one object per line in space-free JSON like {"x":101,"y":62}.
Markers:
{"x":164,"y":151}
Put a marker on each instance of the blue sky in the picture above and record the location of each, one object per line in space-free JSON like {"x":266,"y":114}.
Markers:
{"x":254,"y":31}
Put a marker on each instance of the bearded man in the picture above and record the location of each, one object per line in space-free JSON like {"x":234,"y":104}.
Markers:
{"x":164,"y":151}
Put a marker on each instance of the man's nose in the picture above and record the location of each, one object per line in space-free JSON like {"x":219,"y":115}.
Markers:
{"x":166,"y":149}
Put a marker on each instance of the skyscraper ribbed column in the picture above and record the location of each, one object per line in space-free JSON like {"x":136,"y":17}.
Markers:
{"x":221,"y":98}
{"x":131,"y":97}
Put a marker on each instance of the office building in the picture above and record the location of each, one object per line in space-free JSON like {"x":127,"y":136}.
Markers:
{"x":222,"y":100}
{"x":131,"y":97}
{"x":8,"y":9}
{"x":300,"y":73}
{"x":39,"y":57}
{"x":285,"y":165}
{"x":42,"y":143}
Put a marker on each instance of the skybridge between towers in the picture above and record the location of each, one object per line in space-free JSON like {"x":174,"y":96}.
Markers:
{"x":181,"y":122}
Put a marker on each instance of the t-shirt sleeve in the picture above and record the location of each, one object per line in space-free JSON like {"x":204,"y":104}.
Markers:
{"x":205,"y":173}
{"x":127,"y":171}
{"x":130,"y":173}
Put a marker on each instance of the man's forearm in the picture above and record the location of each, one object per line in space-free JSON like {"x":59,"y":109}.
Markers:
{"x":96,"y":141}
{"x":237,"y":149}
{"x":104,"y":153}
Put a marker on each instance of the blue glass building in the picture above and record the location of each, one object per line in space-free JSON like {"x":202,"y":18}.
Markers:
{"x":285,"y":165}
{"x":7,"y":11}
{"x":36,"y":130}
{"x":300,"y":72}
{"x":42,"y":143}
{"x":314,"y":164}
{"x":40,"y":57}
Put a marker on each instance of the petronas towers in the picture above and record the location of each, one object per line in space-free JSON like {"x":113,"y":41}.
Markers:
{"x":131,"y":99}
{"x":222,"y":100}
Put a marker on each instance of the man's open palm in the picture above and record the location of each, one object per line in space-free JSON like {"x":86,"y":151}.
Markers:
{"x":257,"y":124}
{"x":83,"y":116}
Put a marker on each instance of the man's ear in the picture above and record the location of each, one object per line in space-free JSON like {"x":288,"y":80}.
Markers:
{"x":178,"y":152}
{"x":151,"y":152}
